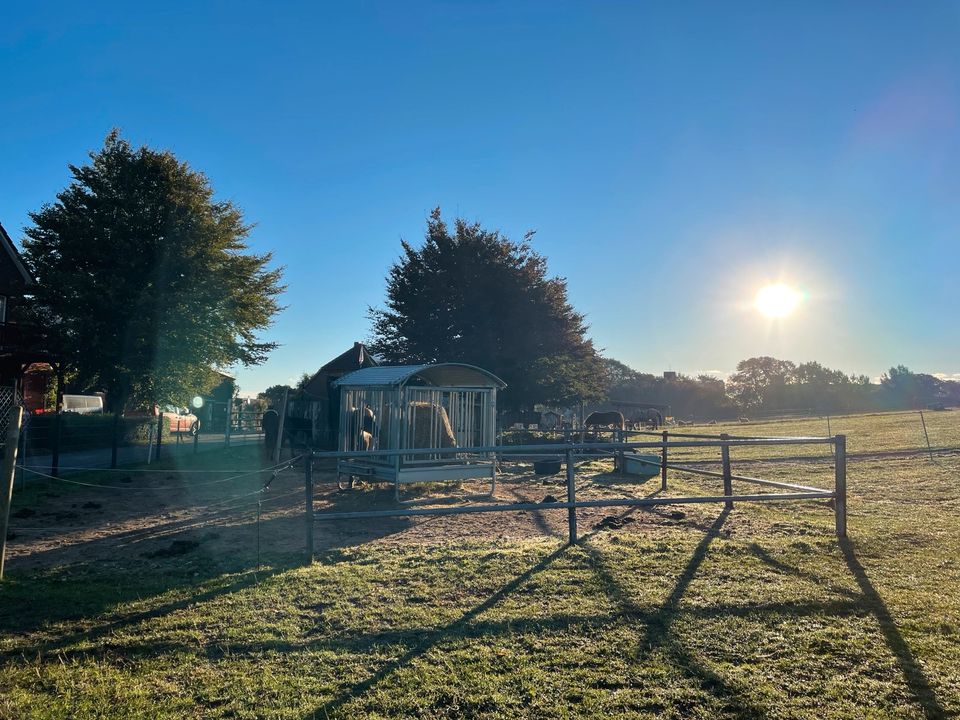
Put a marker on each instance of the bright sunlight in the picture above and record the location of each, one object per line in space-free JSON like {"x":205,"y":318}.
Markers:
{"x":777,"y":300}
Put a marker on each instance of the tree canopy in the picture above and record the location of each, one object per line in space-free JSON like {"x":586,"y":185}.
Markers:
{"x":474,"y":296}
{"x":145,"y":281}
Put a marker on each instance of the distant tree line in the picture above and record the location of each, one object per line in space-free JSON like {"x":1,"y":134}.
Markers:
{"x":766,"y":385}
{"x":469,"y":294}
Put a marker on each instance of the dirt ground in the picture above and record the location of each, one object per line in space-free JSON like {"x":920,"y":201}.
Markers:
{"x":133,"y":516}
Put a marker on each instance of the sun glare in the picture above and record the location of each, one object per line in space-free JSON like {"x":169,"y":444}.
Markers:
{"x":776,"y":301}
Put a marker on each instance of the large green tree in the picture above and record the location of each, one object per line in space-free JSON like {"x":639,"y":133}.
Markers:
{"x":146,"y":283}
{"x":760,"y":382}
{"x":471,"y":295}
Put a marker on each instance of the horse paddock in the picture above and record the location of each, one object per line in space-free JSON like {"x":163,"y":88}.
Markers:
{"x":180,"y":602}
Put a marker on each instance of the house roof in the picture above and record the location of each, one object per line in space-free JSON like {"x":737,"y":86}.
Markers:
{"x":356,"y":357}
{"x":14,"y":255}
{"x":440,"y":374}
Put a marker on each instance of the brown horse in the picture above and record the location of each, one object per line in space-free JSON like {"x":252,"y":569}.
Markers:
{"x":605,"y":419}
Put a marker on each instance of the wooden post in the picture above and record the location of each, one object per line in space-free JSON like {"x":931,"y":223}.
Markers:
{"x":924,"y":422}
{"x":571,"y":498}
{"x":277,"y":450}
{"x":727,"y":474}
{"x":14,"y":418}
{"x":840,"y":484}
{"x":308,"y":487}
{"x":663,"y":464}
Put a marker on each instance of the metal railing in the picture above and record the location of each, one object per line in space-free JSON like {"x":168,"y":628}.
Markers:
{"x":580,"y":450}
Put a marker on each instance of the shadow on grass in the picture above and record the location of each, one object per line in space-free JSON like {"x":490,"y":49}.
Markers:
{"x":658,"y":627}
{"x":869,"y":600}
{"x":120,"y":621}
{"x":659,"y":622}
{"x":913,"y":674}
{"x":432,"y":638}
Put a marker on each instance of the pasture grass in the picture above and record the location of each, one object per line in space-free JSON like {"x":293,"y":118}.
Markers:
{"x":872,"y":433}
{"x":758,"y":612}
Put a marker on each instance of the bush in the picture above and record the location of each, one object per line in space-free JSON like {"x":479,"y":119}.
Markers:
{"x":88,"y":432}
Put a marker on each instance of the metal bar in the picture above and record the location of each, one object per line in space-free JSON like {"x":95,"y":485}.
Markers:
{"x":571,"y":499}
{"x":663,"y":463}
{"x":159,"y":431}
{"x":555,"y":448}
{"x":704,"y":436}
{"x":308,"y":499}
{"x":924,"y":422}
{"x":624,"y":502}
{"x":840,"y":485}
{"x":727,"y":475}
{"x":278,"y":447}
{"x":745,"y":478}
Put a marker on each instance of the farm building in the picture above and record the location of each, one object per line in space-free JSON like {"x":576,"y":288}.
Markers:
{"x":20,"y":345}
{"x":213,"y":413}
{"x":313,"y":414}
{"x":406,"y":407}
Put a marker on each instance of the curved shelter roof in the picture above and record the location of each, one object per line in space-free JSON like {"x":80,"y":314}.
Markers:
{"x":439,"y":375}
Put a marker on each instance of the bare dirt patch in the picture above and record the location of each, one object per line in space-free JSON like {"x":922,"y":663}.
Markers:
{"x":187,"y":515}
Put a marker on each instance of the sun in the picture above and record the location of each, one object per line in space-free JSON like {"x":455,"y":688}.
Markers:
{"x":777,"y":300}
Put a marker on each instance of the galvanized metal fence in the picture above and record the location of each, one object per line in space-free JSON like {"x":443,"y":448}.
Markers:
{"x":572,"y":451}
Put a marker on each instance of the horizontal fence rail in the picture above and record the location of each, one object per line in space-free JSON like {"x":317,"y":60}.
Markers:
{"x":558,"y":449}
{"x":574,"y":451}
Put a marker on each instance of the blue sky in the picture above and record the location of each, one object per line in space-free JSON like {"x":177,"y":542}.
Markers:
{"x":672,"y":157}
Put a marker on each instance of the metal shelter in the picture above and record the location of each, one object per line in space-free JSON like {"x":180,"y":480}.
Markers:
{"x":405,"y":407}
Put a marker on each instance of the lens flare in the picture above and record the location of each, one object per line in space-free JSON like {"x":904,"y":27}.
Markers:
{"x":777,"y":300}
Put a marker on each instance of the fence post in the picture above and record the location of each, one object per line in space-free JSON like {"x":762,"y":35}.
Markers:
{"x":622,"y":437}
{"x":159,"y":433}
{"x":115,"y":440}
{"x":727,"y":474}
{"x":55,"y":451}
{"x":663,"y":464}
{"x":149,"y":442}
{"x":14,"y":418}
{"x":278,"y":448}
{"x":24,"y":443}
{"x":840,"y":484}
{"x":226,"y":435}
{"x":571,"y":498}
{"x":924,"y":422}
{"x":308,"y":486}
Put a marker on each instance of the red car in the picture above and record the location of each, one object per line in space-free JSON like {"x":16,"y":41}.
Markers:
{"x":181,"y":419}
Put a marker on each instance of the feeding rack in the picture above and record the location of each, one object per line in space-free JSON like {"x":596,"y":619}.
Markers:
{"x":418,"y":407}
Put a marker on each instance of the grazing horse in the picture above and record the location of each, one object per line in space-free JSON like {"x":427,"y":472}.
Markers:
{"x":605,"y":419}
{"x":650,"y":418}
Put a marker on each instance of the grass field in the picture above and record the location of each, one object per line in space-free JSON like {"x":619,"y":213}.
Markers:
{"x":758,"y":612}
